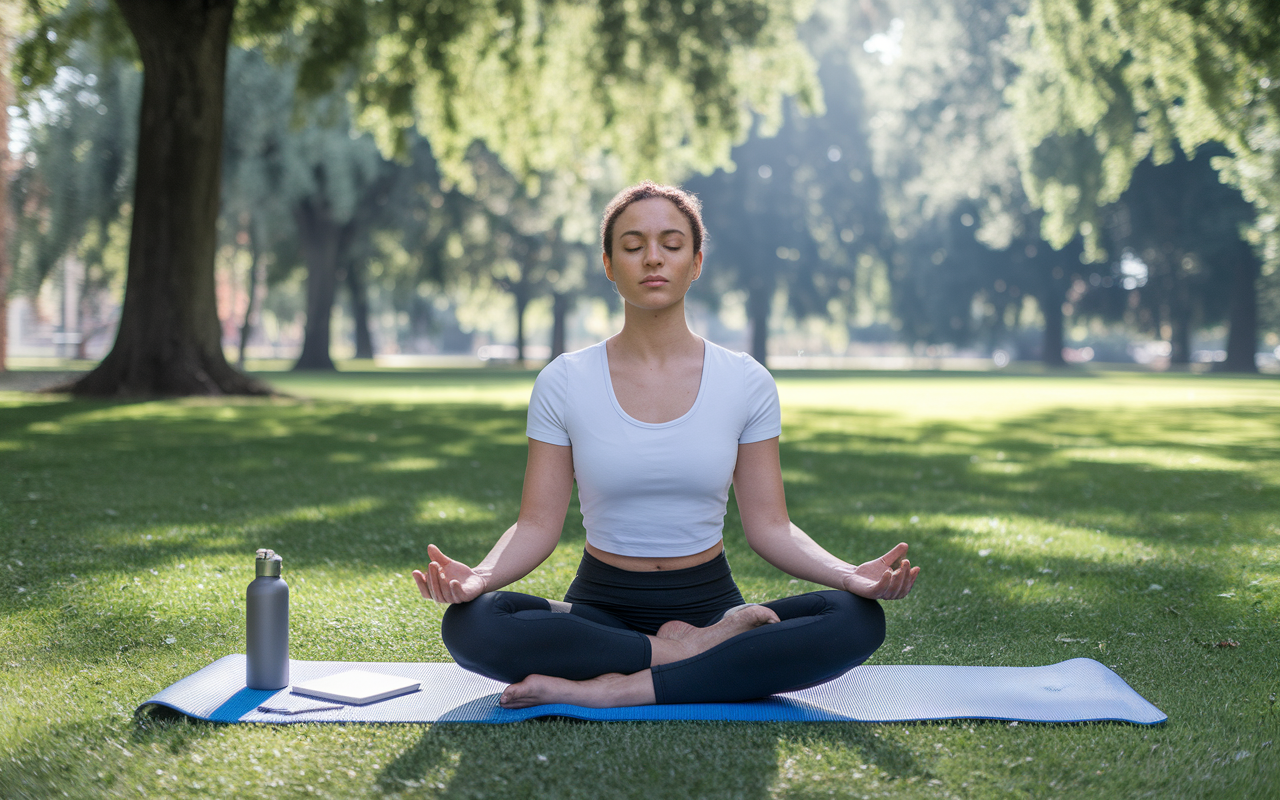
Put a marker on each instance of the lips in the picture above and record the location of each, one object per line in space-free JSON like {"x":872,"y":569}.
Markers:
{"x":653,"y":280}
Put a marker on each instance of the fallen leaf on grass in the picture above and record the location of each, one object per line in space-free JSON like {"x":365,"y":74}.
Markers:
{"x":1227,"y":643}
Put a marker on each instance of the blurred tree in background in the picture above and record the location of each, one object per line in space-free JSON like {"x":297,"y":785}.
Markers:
{"x":8,"y":23}
{"x":964,"y":246}
{"x":1108,"y":84}
{"x":659,"y":86}
{"x":71,"y":194}
{"x":1184,"y":224}
{"x":800,"y":205}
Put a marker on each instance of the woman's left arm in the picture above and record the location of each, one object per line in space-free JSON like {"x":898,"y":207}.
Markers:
{"x":757,"y":485}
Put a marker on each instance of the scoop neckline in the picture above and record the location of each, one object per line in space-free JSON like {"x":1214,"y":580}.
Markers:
{"x":613,"y":397}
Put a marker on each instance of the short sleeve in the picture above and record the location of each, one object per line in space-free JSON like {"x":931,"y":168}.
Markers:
{"x":547,"y":405}
{"x":764,"y":416}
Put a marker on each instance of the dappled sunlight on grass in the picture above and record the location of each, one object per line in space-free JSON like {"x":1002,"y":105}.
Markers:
{"x":919,"y":397}
{"x":495,"y":387}
{"x":408,"y":464}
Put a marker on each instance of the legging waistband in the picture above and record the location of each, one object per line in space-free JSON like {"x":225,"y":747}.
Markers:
{"x":598,"y":572}
{"x":644,"y":601}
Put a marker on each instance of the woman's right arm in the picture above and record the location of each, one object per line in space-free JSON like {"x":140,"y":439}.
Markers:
{"x":548,"y":484}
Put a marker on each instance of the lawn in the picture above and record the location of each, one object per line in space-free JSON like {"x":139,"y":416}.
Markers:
{"x":1128,"y":518}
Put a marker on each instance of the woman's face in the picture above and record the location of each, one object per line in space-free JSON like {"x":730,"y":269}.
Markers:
{"x":653,"y":262}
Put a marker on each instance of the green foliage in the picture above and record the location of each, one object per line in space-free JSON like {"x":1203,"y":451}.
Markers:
{"x":75,"y":182}
{"x":1108,"y":82}
{"x":1120,"y":517}
{"x":49,"y":31}
{"x":663,"y":86}
{"x":1184,"y":225}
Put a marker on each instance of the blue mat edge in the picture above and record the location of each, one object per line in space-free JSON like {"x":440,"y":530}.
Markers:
{"x":592,"y":715}
{"x":667,"y":713}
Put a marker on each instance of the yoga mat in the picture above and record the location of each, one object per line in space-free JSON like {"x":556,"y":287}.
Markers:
{"x":1079,"y":690}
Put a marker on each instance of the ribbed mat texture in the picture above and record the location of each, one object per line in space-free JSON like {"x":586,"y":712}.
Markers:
{"x":1079,"y":690}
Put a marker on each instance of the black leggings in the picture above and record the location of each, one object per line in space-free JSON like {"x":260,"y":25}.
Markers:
{"x":508,"y":636}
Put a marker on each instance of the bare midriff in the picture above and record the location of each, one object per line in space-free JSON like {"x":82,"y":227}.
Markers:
{"x":640,"y":564}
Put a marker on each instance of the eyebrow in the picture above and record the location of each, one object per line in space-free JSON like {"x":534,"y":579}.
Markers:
{"x":663,"y":233}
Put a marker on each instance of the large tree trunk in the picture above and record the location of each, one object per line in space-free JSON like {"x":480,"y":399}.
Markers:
{"x":1242,"y":338}
{"x":759,"y":305}
{"x":169,"y":341}
{"x":1051,"y":308}
{"x":321,"y":248}
{"x":359,"y":308}
{"x":560,"y":307}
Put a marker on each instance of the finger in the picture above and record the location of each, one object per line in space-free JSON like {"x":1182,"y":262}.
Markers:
{"x":893,"y":556}
{"x":911,"y":580}
{"x":435,"y":555}
{"x":878,"y":590}
{"x":434,"y":573}
{"x":446,"y":590}
{"x":455,"y":592}
{"x":442,"y":586}
{"x":900,"y":582}
{"x":430,"y":576}
{"x":895,"y":584}
{"x":421,"y":580}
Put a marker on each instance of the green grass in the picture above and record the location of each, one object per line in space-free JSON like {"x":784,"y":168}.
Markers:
{"x":1128,"y":518}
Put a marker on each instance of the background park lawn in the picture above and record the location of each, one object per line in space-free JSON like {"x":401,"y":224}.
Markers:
{"x":1128,"y":518}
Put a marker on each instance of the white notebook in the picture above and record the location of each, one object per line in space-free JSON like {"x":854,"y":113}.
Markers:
{"x":357,"y":686}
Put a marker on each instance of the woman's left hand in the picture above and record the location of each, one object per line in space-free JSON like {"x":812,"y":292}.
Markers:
{"x":888,"y":577}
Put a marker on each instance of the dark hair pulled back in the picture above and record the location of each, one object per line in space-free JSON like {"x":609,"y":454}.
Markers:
{"x":687,"y":203}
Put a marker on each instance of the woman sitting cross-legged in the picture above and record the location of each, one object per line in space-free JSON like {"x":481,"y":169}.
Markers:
{"x":654,"y":424}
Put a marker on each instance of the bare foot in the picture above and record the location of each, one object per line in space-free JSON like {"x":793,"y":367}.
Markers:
{"x":607,"y":691}
{"x":678,"y":640}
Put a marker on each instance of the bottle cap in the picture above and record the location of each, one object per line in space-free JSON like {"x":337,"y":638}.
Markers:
{"x":267,"y":564}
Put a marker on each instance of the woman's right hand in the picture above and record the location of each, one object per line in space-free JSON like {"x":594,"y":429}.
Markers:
{"x":448,"y":581}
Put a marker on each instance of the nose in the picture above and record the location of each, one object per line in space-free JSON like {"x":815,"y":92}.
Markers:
{"x":653,"y":253}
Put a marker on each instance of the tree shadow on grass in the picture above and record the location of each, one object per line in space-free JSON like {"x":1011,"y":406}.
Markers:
{"x":244,"y":467}
{"x":571,"y":759}
{"x":1036,"y":467}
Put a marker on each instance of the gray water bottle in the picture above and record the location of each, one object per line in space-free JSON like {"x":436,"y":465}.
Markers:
{"x":267,"y":611}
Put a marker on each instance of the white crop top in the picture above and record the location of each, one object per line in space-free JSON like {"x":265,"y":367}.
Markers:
{"x":654,"y":490}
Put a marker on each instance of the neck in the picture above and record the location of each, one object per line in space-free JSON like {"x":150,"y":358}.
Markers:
{"x":655,"y":335}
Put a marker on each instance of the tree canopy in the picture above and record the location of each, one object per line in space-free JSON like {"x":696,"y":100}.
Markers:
{"x":1139,"y":78}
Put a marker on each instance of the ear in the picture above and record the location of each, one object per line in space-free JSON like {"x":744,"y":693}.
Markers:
{"x":608,"y":266}
{"x":697,"y":265}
